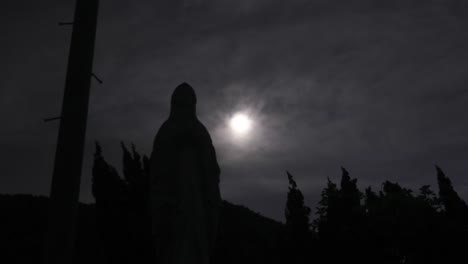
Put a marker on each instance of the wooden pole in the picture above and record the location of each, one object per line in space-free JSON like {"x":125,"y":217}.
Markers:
{"x":65,"y":188}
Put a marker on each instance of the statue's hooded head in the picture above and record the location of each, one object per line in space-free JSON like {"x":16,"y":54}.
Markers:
{"x":183,"y":103}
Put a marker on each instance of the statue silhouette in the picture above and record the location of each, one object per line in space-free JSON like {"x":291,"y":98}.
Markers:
{"x":184,"y":185}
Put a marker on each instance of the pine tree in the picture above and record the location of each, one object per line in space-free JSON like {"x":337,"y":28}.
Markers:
{"x":131,"y":165}
{"x":139,"y":221}
{"x":350,"y":197}
{"x":297,"y":214}
{"x":123,"y":206}
{"x":297,"y":223}
{"x":339,"y":208}
{"x":454,"y":206}
{"x":455,"y":227}
{"x":110,"y":193}
{"x":135,"y":172}
{"x":327,"y":208}
{"x":340,"y":219}
{"x":107,"y":186}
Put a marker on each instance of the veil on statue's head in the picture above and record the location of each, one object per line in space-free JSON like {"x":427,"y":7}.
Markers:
{"x":183,"y":95}
{"x":183,"y":102}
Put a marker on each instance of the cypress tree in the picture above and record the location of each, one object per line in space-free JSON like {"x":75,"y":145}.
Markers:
{"x":297,"y":223}
{"x":350,"y":197}
{"x":454,"y":206}
{"x":110,"y":193}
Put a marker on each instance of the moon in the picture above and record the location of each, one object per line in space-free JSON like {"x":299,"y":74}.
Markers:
{"x":240,"y":123}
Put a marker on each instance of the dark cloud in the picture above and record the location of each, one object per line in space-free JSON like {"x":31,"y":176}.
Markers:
{"x":376,"y":86}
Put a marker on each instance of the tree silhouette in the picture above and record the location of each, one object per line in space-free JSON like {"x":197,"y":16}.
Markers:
{"x":392,"y":225}
{"x":454,"y":206}
{"x":339,"y":221}
{"x":139,"y":221}
{"x":350,"y":215}
{"x":455,"y":226}
{"x":404,"y":225}
{"x":327,"y":209}
{"x":297,"y":224}
{"x":122,"y":206}
{"x":110,"y":193}
{"x":350,"y":196}
{"x":107,"y":185}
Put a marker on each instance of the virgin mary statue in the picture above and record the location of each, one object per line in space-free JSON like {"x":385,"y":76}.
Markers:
{"x":184,"y":185}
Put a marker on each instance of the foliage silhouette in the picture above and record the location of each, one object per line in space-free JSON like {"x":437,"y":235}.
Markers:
{"x":298,"y":235}
{"x":391,"y":225}
{"x":454,"y":206}
{"x":340,"y":220}
{"x":112,"y":203}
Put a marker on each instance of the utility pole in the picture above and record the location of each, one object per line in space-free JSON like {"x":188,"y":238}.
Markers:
{"x":65,"y":188}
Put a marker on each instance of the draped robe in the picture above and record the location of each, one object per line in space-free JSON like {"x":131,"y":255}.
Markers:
{"x":184,"y":185}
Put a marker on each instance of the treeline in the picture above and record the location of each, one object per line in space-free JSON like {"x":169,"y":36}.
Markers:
{"x":393,"y":225}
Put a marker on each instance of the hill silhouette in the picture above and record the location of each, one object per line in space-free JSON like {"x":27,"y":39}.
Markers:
{"x":244,"y":236}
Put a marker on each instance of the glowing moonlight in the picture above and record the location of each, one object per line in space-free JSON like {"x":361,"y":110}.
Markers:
{"x":240,"y":123}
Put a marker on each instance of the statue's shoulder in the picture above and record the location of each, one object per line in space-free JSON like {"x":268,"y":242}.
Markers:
{"x":165,"y":126}
{"x":202,"y":131}
{"x":200,"y":126}
{"x":164,"y":132}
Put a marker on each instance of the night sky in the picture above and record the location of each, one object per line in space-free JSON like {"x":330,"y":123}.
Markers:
{"x":379,"y":87}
